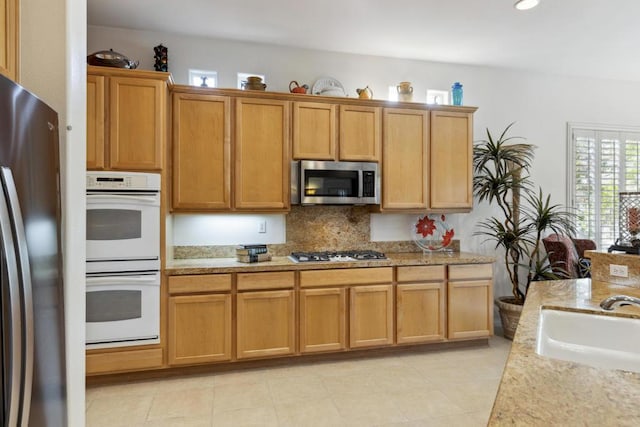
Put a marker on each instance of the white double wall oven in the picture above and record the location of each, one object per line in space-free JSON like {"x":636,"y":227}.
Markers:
{"x":123,"y":259}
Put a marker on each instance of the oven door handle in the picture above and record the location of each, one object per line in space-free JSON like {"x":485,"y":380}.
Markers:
{"x":145,"y":199}
{"x":121,"y":280}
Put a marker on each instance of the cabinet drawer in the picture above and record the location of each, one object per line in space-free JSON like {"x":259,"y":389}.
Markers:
{"x":199,"y":283}
{"x":470,"y":271}
{"x":350,"y":276}
{"x":421,"y":273}
{"x":135,"y":360}
{"x":270,"y":280}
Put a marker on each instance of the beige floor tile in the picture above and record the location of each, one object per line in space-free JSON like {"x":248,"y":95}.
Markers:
{"x":425,"y":404}
{"x":118,"y":411}
{"x":141,"y":388}
{"x":246,"y":417}
{"x":349,"y":384}
{"x":297,"y":389}
{"x":181,"y":422}
{"x":181,"y":403}
{"x":241,"y":396}
{"x":398,"y":379}
{"x":313,"y":413}
{"x":367,"y":409}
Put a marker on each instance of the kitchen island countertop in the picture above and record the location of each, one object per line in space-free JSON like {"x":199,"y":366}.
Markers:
{"x":230,"y":265}
{"x":537,"y":390}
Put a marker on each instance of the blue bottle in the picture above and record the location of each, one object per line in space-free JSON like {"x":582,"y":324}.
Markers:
{"x":456,"y":93}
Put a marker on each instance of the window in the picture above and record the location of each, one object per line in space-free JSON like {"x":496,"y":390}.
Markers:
{"x":242,"y":78}
{"x":603,"y":161}
{"x":203,"y":78}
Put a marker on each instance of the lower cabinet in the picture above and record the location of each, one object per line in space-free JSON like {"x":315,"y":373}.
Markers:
{"x":371,"y":316}
{"x":470,"y":301}
{"x":323,"y":319}
{"x":199,"y":324}
{"x":265,"y":315}
{"x":420,"y":304}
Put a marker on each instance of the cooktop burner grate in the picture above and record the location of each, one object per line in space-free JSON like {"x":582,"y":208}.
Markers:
{"x":355,"y":255}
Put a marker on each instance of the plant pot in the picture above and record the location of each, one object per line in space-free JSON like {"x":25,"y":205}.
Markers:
{"x":509,"y":315}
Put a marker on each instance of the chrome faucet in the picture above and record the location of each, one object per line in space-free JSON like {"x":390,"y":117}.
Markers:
{"x":618,"y":300}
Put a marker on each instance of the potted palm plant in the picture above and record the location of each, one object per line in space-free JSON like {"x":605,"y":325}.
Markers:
{"x":526,"y":215}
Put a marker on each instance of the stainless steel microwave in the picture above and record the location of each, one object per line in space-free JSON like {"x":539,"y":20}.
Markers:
{"x":334,"y":183}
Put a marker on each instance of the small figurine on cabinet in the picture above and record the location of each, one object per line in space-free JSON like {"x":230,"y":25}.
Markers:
{"x":161,"y":57}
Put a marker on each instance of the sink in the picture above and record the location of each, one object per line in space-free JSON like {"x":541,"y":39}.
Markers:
{"x":602,"y":341}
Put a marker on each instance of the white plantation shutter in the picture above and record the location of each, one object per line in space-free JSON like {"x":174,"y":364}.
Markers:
{"x":602,"y":163}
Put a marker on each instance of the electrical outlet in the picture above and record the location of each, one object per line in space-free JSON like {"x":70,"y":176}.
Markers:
{"x":263,"y":227}
{"x":618,"y":270}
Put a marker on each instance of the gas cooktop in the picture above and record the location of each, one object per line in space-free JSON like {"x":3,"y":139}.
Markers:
{"x":335,"y":256}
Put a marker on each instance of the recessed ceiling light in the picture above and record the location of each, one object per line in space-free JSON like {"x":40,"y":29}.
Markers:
{"x":526,"y":4}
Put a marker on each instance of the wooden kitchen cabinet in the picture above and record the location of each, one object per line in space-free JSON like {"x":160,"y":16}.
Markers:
{"x":265,"y":318}
{"x":420,"y":304}
{"x":319,"y":133}
{"x":199,"y":319}
{"x":470,"y":301}
{"x":262,"y":168}
{"x":96,"y":119}
{"x":323,"y":319}
{"x":371,"y":316}
{"x":451,"y":160}
{"x":9,"y":40}
{"x":134,"y":119}
{"x":201,"y":152}
{"x":405,"y":147}
{"x":360,"y":133}
{"x":314,"y":131}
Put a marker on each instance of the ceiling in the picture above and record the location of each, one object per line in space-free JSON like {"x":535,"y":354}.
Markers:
{"x":594,"y":38}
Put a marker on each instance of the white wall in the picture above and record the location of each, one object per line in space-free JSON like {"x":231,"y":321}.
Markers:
{"x":52,"y":65}
{"x":541,"y":104}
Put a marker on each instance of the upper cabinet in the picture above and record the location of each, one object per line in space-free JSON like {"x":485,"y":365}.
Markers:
{"x":262,"y":167}
{"x":201,"y":151}
{"x":134,"y":119}
{"x":427,"y":160}
{"x":405,"y":145}
{"x":451,"y":160}
{"x":328,"y":131}
{"x":9,"y":38}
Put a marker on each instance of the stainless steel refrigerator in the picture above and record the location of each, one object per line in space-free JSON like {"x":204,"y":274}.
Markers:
{"x":32,"y":322}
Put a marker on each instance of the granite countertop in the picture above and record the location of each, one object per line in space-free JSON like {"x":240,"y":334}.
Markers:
{"x":536,"y":390}
{"x":230,"y":265}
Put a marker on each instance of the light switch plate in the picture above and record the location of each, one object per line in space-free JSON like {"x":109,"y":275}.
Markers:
{"x":618,"y":270}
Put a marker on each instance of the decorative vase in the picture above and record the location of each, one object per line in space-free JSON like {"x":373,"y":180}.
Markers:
{"x":405,"y":91}
{"x":509,"y":315}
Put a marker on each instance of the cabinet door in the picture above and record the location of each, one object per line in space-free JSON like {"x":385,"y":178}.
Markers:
{"x":470,"y":309}
{"x":371,"y":316}
{"x":262,"y":168}
{"x":322,"y":320}
{"x":451,"y":160}
{"x":9,"y":38}
{"x":420,"y":312}
{"x":137,"y":123}
{"x":265,"y":324}
{"x":95,"y":122}
{"x":359,"y":133}
{"x":201,"y":152}
{"x":405,"y":144}
{"x":199,"y":329}
{"x":314,"y":131}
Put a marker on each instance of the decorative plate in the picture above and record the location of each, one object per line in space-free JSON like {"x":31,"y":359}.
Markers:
{"x":328,"y":86}
{"x":432,"y":233}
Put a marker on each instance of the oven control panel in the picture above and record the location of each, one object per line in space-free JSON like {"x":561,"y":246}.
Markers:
{"x":122,"y":181}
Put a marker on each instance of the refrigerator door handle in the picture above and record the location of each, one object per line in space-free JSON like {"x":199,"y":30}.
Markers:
{"x":24,"y":277}
{"x":14,"y":354}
